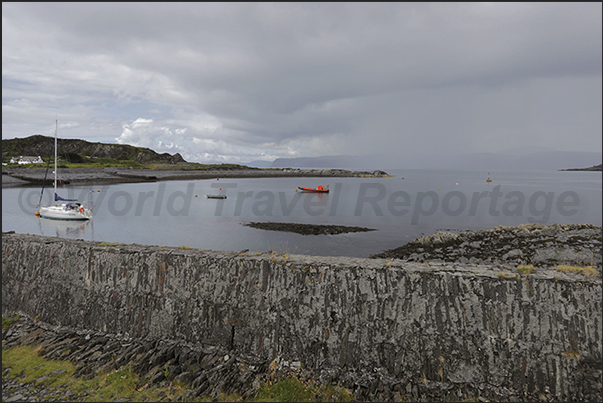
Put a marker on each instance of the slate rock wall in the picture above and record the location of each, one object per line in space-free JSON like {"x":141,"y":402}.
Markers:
{"x":484,"y":327}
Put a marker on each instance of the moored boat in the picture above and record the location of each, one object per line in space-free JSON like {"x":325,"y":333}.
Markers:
{"x":72,"y":209}
{"x":319,"y":189}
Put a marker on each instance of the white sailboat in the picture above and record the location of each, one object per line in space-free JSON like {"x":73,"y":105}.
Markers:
{"x":63,"y":209}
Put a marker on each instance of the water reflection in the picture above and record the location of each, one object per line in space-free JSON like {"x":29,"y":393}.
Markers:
{"x":67,"y":228}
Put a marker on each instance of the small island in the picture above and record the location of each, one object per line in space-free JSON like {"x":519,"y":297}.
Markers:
{"x":306,"y":229}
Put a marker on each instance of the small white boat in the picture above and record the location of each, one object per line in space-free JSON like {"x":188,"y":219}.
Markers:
{"x":66,"y":211}
{"x":62,"y":209}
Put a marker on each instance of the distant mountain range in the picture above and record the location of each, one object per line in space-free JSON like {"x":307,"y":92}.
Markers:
{"x":518,"y":160}
{"x":78,"y":150}
{"x":258,"y":164}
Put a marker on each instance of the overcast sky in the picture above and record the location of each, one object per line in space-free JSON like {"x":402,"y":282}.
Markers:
{"x":237,"y":82}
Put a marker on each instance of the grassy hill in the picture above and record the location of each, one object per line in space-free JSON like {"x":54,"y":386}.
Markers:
{"x":75,"y":151}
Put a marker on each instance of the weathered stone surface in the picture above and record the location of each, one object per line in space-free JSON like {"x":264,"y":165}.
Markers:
{"x":537,"y":244}
{"x":436,"y":331}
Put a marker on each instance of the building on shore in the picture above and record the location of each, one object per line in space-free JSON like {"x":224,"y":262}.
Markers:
{"x":26,"y":160}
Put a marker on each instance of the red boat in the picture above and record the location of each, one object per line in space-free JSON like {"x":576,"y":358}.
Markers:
{"x":319,"y":189}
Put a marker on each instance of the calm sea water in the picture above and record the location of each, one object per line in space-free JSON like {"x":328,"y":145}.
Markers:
{"x":399,"y":208}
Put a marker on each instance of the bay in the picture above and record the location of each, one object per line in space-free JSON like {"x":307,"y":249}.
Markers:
{"x":400,"y":208}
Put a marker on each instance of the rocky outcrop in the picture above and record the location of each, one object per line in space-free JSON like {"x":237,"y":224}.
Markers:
{"x":535,"y":244}
{"x":383,"y":328}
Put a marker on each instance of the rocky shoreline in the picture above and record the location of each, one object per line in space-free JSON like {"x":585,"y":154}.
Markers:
{"x":35,"y":176}
{"x":535,"y":244}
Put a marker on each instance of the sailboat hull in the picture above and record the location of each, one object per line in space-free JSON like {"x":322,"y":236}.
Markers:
{"x":65,"y":212}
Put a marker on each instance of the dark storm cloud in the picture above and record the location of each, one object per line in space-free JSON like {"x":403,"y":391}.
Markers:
{"x":304,"y":79}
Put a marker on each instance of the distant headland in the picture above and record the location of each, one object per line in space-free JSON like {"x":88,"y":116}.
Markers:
{"x":593,"y":168}
{"x":83,"y":162}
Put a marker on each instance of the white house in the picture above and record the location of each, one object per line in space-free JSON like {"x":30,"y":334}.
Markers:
{"x":26,"y":160}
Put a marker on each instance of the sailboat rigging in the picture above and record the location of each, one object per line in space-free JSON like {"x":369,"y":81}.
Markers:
{"x":62,"y":208}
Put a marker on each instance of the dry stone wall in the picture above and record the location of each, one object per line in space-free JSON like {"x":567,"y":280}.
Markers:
{"x":449,"y":325}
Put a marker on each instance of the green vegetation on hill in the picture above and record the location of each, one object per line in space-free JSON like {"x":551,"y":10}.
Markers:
{"x":74,"y":153}
{"x":110,"y":163}
{"x":77,"y":151}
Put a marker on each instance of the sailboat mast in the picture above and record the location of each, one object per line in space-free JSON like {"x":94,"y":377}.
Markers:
{"x":55,"y":157}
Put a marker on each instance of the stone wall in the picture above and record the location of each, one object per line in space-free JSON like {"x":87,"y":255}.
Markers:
{"x":483,"y":328}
